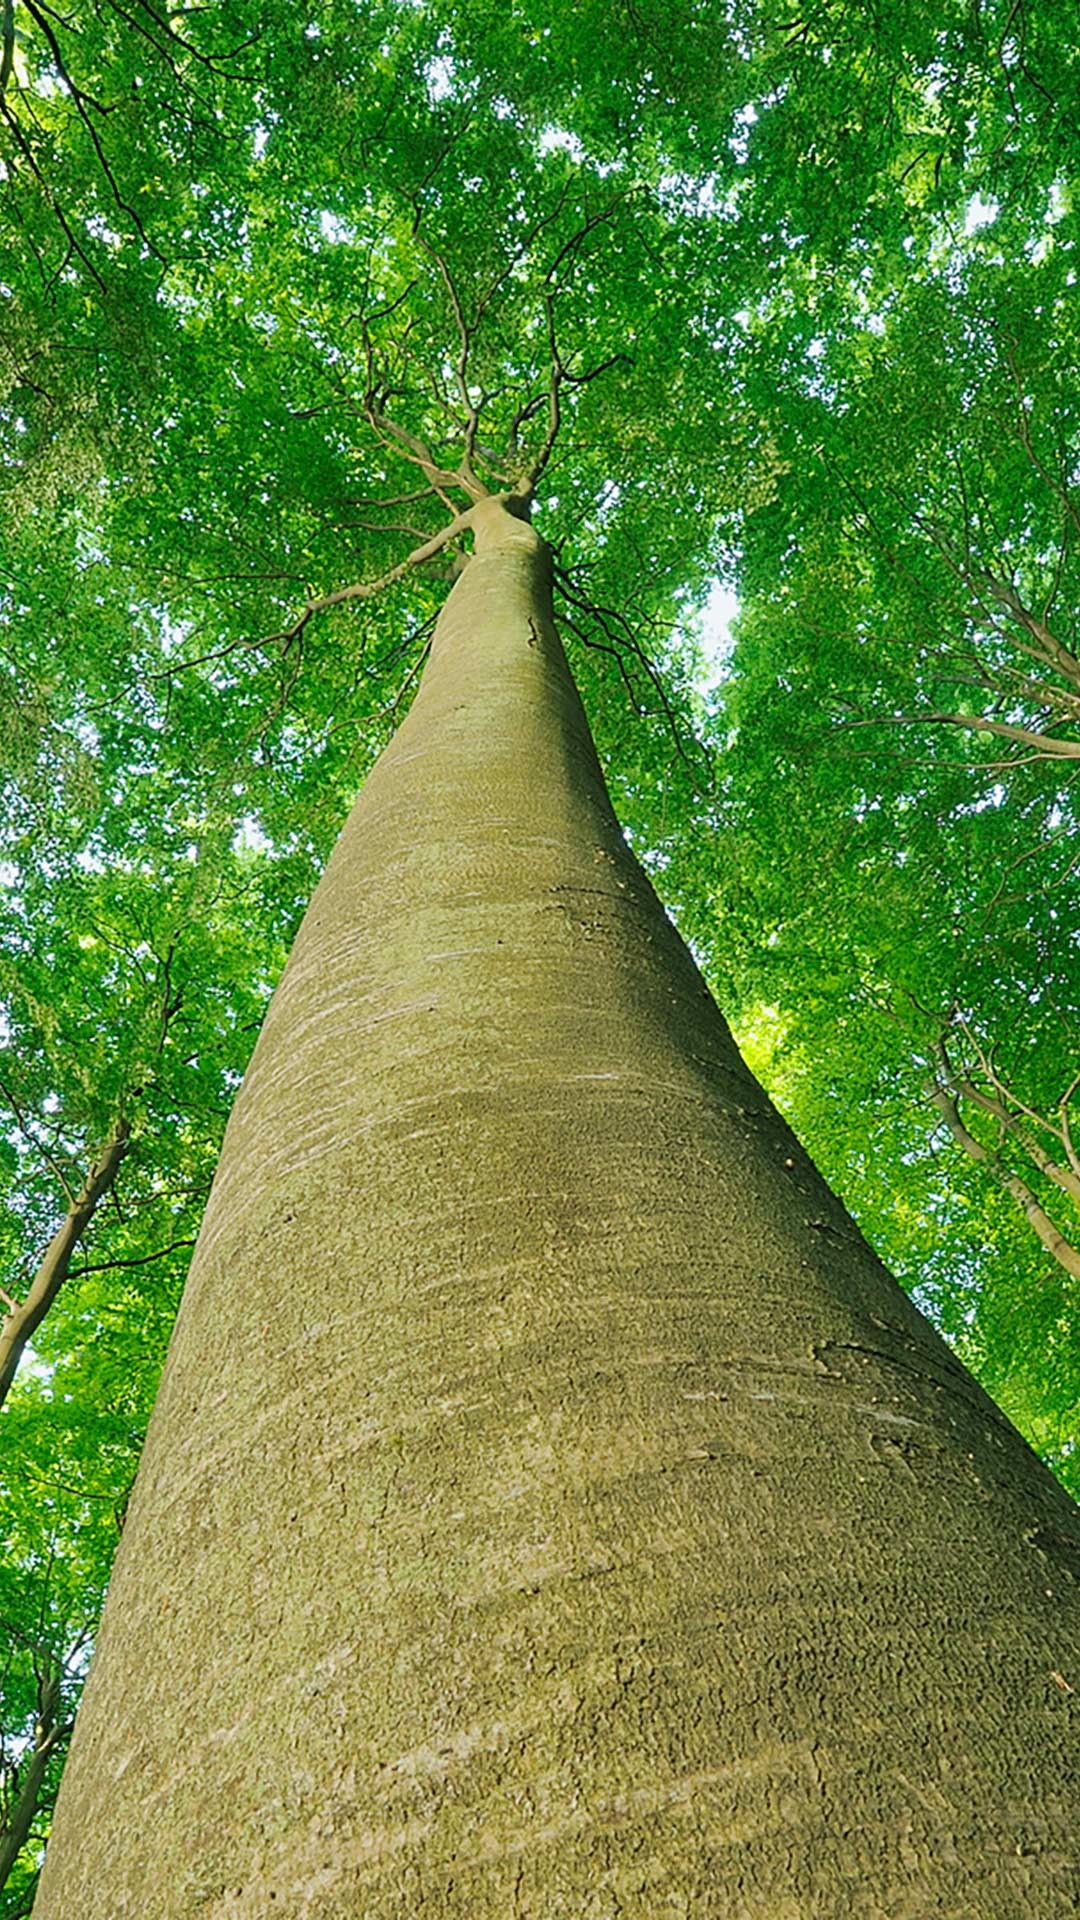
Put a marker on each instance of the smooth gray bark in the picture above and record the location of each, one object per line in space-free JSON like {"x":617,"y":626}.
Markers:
{"x":552,"y":1507}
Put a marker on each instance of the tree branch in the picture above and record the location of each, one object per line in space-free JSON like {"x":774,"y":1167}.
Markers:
{"x":1049,"y":1233}
{"x":7,"y":43}
{"x":1023,"y":433}
{"x":82,"y":101}
{"x":140,"y":1260}
{"x":365,"y":589}
{"x":22,"y":1322}
{"x":471,"y":424}
{"x":49,"y":1732}
{"x":1063,"y":1177}
{"x":1047,"y":746}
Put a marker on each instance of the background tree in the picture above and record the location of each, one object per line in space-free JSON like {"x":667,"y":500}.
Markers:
{"x":902,"y":942}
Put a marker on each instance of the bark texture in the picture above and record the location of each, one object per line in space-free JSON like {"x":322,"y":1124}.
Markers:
{"x":553,"y":1510}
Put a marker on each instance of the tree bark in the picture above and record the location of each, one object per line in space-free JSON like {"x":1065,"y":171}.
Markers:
{"x":25,"y":1317}
{"x":16,"y":1829}
{"x":552,"y":1507}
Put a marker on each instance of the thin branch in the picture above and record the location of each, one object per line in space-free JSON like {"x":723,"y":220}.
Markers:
{"x":1047,"y":746}
{"x":7,"y":43}
{"x":418,"y":663}
{"x":554,"y":398}
{"x":24,"y":1129}
{"x":526,"y":241}
{"x":20,"y":1325}
{"x":612,"y":622}
{"x":366,"y":589}
{"x":1047,"y":1230}
{"x":73,"y":244}
{"x":1023,"y":434}
{"x":1066,"y":1132}
{"x":142,"y":1260}
{"x":215,"y":63}
{"x":471,"y":424}
{"x":81,"y":102}
{"x":1062,"y":1177}
{"x":399,"y":440}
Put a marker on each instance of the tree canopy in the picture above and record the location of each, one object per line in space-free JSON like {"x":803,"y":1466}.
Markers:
{"x":788,"y":302}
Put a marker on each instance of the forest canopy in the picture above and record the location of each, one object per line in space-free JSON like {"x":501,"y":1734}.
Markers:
{"x":782,"y":303}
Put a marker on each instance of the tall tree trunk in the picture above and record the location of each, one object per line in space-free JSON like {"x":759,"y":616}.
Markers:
{"x":552,"y":1507}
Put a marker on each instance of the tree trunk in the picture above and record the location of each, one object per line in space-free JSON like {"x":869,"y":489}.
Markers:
{"x":552,"y":1507}
{"x":24,"y":1317}
{"x":34,"y":1766}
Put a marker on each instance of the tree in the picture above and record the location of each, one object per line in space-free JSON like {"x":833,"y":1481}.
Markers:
{"x":549,"y":1491}
{"x":365,"y":205}
{"x":182,"y":773}
{"x":910,"y":600}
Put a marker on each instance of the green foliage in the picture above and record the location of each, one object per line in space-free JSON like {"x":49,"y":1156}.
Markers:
{"x":802,"y":294}
{"x":899,"y":879}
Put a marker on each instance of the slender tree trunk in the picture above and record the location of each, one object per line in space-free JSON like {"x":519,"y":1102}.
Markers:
{"x":552,"y":1507}
{"x":16,"y":1829}
{"x":24,"y":1317}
